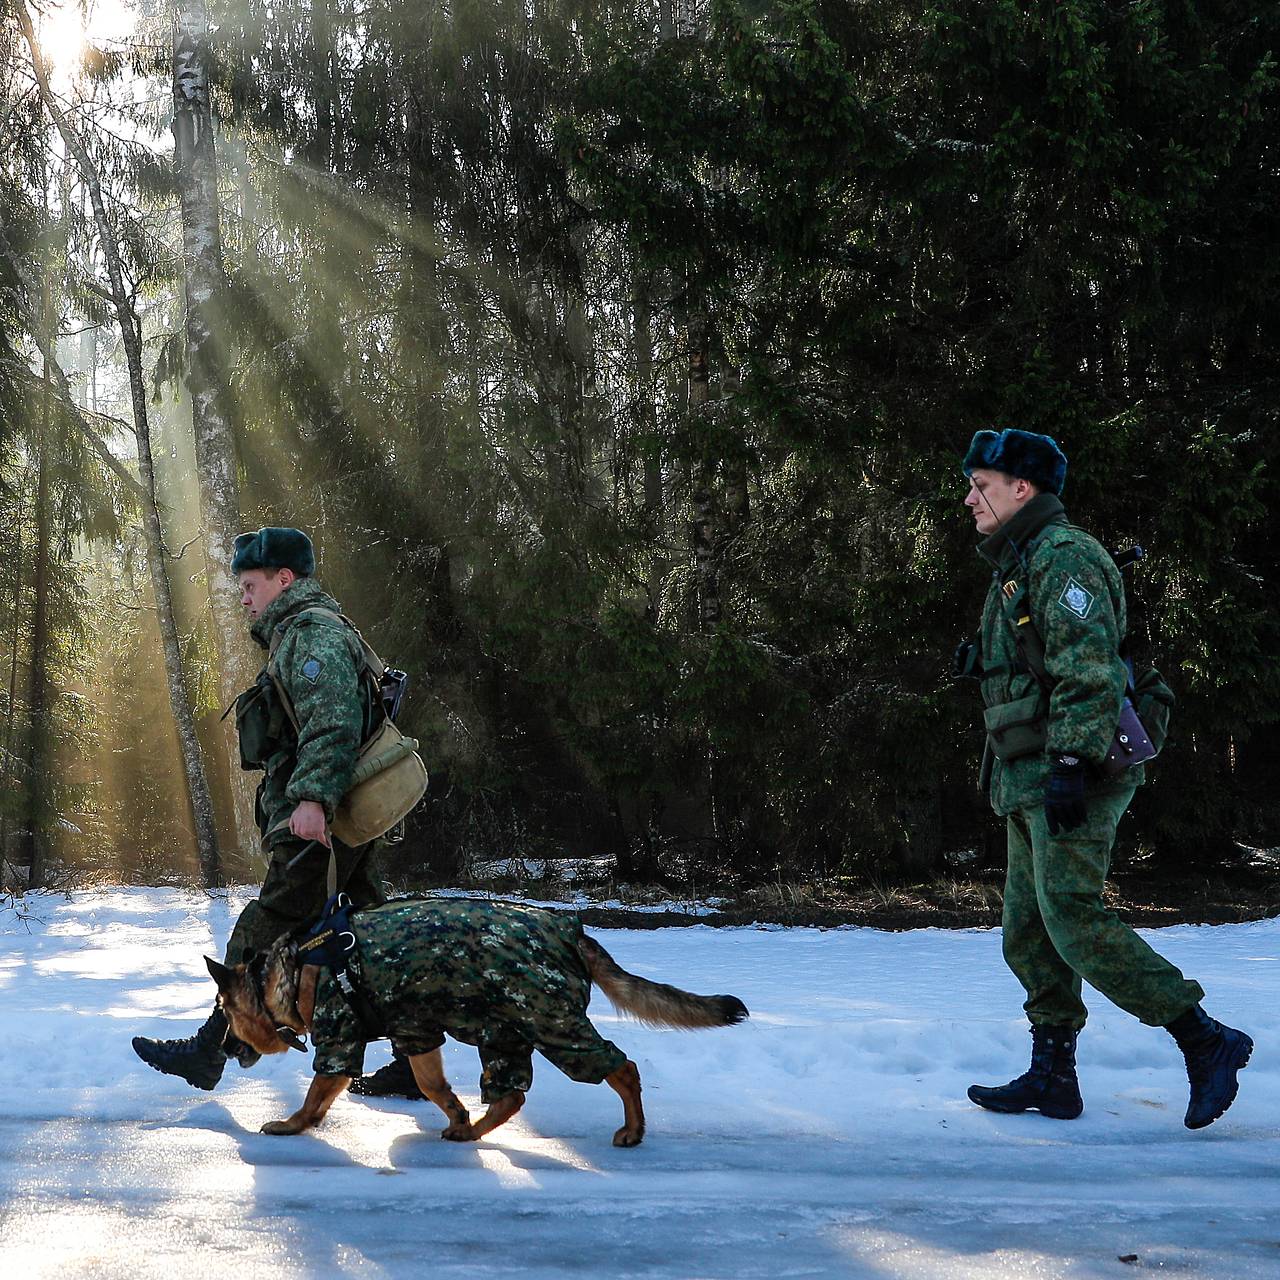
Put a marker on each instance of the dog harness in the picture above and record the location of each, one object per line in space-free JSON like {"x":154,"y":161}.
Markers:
{"x":330,"y":944}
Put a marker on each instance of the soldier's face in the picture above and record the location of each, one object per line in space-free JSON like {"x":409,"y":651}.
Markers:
{"x":257,"y":590}
{"x":994,"y":497}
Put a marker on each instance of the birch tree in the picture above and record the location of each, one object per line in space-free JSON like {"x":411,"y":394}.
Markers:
{"x":196,"y":167}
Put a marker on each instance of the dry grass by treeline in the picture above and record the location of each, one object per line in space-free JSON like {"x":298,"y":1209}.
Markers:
{"x":1144,"y":898}
{"x":957,"y":902}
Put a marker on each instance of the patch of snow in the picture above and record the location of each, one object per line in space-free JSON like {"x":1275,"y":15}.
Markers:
{"x":827,"y":1136}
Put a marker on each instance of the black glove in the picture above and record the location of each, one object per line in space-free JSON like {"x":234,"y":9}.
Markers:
{"x":1064,"y":794}
{"x":966,"y":662}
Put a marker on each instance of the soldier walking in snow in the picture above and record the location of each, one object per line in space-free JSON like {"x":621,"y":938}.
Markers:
{"x":1053,"y":683}
{"x":317,"y":658}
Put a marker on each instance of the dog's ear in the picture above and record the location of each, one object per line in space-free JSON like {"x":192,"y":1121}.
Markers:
{"x":224,"y":977}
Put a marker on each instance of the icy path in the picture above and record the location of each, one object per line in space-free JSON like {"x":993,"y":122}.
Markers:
{"x":829,"y":1136}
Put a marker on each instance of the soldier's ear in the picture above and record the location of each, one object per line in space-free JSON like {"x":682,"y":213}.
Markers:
{"x":224,"y":977}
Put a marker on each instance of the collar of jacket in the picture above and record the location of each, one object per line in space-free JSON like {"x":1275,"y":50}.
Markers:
{"x":1044,"y":509}
{"x":306,"y":593}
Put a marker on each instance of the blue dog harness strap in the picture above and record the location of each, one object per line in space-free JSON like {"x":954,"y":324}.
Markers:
{"x":331,"y":944}
{"x":330,"y":940}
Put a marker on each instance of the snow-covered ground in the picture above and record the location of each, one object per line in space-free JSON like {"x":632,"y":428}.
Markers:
{"x":827,"y":1136}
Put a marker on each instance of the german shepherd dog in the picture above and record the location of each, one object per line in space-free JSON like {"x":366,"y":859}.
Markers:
{"x":270,"y":1003}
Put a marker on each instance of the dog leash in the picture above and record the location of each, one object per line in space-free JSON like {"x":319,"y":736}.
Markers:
{"x":332,"y":875}
{"x":302,"y":853}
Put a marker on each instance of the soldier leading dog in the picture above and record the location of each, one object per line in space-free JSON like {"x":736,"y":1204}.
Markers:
{"x":506,"y":978}
{"x":305,"y":770}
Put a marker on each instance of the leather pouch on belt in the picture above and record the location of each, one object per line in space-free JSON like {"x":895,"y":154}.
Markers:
{"x":1017,"y":729}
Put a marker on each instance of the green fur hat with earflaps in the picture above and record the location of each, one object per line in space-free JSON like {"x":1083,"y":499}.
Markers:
{"x":1023,"y":454}
{"x":273,"y":548}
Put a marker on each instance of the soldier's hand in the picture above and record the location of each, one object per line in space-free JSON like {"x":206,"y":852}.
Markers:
{"x":966,"y":662}
{"x":308,"y":822}
{"x":1064,"y":807}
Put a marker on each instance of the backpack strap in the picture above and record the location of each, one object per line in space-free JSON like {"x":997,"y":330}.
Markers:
{"x":1015,"y":605}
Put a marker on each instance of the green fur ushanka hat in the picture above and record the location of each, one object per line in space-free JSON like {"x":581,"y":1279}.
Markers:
{"x":273,"y":548}
{"x":1023,"y":454}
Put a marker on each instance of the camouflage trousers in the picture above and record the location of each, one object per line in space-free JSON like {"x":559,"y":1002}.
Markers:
{"x":292,"y":897}
{"x":1058,"y":931}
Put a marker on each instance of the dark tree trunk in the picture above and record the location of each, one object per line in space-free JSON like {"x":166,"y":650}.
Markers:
{"x":34,"y":837}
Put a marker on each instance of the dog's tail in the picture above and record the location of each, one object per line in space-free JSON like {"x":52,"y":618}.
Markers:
{"x":655,"y":1003}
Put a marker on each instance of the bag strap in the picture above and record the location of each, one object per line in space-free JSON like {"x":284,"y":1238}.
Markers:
{"x":373,"y":666}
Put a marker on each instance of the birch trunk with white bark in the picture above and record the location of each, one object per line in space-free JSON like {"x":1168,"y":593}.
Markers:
{"x":196,"y":165}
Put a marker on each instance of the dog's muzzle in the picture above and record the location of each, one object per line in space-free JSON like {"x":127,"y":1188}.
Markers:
{"x":258,"y":975}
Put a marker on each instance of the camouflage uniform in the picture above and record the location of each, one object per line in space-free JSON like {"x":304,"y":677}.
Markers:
{"x":505,"y":978}
{"x":319,"y":663}
{"x":1056,"y":928}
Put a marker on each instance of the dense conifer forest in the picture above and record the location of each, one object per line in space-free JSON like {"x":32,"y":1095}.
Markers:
{"x":620,"y":358}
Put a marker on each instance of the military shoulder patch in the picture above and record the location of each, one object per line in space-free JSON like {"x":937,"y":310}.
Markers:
{"x":311,"y":669}
{"x":1075,"y":599}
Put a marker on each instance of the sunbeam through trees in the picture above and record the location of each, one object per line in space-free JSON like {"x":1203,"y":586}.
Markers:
{"x":620,"y":358}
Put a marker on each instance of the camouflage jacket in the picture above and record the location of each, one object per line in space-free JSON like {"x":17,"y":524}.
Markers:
{"x":1077,"y":605}
{"x":491,"y":974}
{"x":319,"y":662}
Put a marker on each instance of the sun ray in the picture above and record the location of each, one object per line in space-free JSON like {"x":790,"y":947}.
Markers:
{"x":67,"y":31}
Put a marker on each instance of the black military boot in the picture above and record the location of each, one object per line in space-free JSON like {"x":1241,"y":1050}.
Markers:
{"x":1049,"y":1086}
{"x":199,"y":1059}
{"x":1215,"y":1056}
{"x":395,"y":1080}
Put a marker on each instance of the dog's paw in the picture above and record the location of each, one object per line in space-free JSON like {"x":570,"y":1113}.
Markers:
{"x":628,"y":1138}
{"x":458,"y":1133}
{"x":281,"y":1128}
